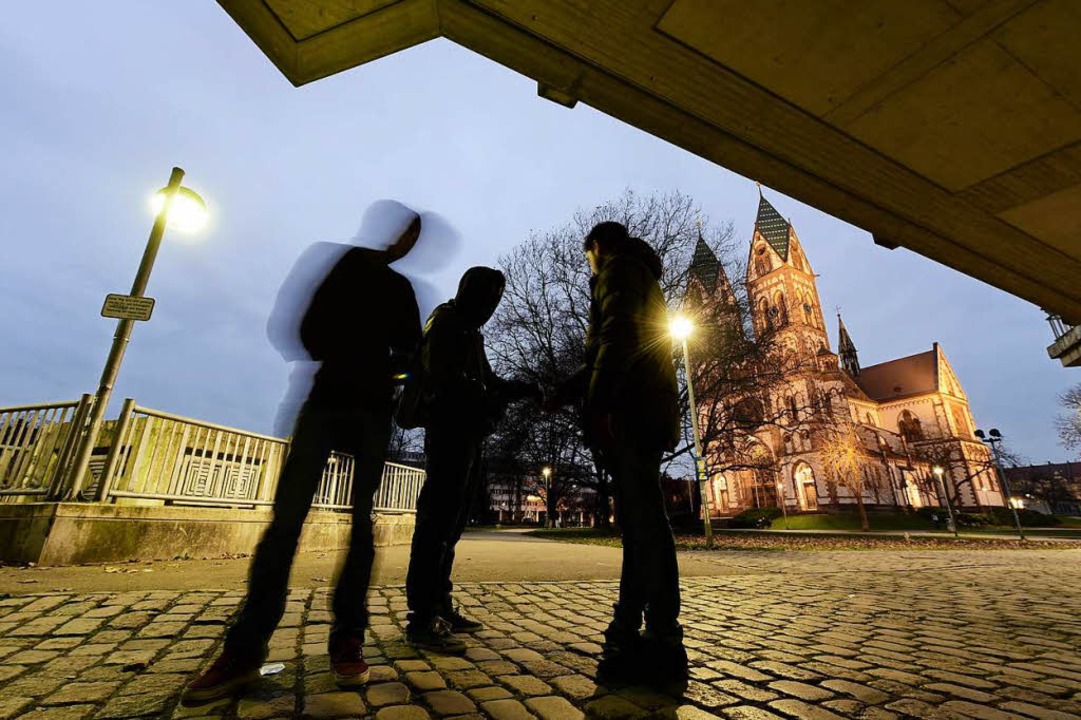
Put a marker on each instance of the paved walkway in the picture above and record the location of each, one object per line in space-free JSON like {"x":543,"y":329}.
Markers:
{"x":946,"y":634}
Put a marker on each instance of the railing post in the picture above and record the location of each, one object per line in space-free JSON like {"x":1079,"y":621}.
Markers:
{"x":58,"y":484}
{"x":127,"y":410}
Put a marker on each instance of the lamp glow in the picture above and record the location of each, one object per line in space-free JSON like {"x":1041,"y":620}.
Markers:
{"x":680,"y":327}
{"x":547,"y":472}
{"x":188,"y":212}
{"x":937,"y":470}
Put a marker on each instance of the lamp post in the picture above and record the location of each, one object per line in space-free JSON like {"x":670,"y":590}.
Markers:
{"x":681,"y":328}
{"x":938,"y":471}
{"x":547,"y":473}
{"x":176,"y":207}
{"x":993,"y":438}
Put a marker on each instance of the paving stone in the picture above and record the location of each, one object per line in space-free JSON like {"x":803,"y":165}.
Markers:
{"x":613,"y":707}
{"x":864,"y":694}
{"x":63,"y":712}
{"x":506,"y":710}
{"x":492,"y":692}
{"x":424,"y":681}
{"x":749,"y":712}
{"x":1036,"y":711}
{"x":263,"y":708}
{"x":131,"y":706}
{"x":82,"y":692}
{"x":391,"y":693}
{"x":526,"y":684}
{"x":11,"y":705}
{"x":402,"y":712}
{"x":449,"y":702}
{"x":801,"y":690}
{"x":32,"y":657}
{"x":554,"y":708}
{"x":575,"y":686}
{"x":334,"y":704}
{"x":804,"y":711}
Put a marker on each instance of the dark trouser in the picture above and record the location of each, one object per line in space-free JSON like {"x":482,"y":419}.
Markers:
{"x":649,"y":582}
{"x":361,"y":433}
{"x":453,"y":473}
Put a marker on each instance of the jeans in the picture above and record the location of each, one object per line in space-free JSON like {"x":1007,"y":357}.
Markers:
{"x":362,"y":433}
{"x":453,"y":474}
{"x":649,"y":582}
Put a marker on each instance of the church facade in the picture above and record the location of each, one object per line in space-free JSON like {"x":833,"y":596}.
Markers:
{"x":903,"y":417}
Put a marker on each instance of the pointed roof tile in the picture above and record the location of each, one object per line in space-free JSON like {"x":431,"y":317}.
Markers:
{"x":705,"y":266}
{"x":844,"y":340}
{"x":772,"y":227}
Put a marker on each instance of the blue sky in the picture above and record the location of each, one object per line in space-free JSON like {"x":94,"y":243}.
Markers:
{"x":102,"y":99}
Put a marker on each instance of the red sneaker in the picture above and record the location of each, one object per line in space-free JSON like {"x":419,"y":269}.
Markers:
{"x":347,"y":660}
{"x":229,"y":674}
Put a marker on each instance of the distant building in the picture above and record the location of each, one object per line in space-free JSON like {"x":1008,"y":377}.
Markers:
{"x":910,"y":413}
{"x":1053,"y":488}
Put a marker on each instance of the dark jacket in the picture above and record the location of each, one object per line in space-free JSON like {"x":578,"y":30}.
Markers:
{"x":460,"y":387}
{"x":362,"y":324}
{"x":629,"y":372}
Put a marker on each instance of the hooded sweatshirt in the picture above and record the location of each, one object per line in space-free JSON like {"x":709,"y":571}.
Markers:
{"x":631,"y":375}
{"x":458,"y":379}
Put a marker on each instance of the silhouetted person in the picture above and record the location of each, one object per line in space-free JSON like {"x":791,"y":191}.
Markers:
{"x":463,"y":401}
{"x":628,"y":384}
{"x":361,"y":325}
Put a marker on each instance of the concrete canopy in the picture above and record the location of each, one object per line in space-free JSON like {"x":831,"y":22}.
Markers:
{"x":949,"y":127}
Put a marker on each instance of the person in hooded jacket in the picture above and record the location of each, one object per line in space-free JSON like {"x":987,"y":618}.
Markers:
{"x":363,"y":324}
{"x":464,"y":401}
{"x":631,"y":417}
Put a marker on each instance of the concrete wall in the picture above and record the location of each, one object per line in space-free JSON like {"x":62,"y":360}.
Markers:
{"x":89,"y":533}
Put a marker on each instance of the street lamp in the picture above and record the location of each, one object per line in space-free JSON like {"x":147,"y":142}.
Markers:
{"x":938,"y":471}
{"x":177,"y":207}
{"x":681,"y":328}
{"x":547,"y":473}
{"x":993,"y":438}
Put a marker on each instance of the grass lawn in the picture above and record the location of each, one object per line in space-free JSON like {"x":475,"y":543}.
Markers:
{"x":851,"y":521}
{"x":770,"y":541}
{"x":1072,"y":522}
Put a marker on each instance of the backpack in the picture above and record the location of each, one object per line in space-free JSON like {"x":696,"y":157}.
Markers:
{"x":413,"y":409}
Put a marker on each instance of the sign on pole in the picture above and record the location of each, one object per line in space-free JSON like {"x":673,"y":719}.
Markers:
{"x":127,"y":307}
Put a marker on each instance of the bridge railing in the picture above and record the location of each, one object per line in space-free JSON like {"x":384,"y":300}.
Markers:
{"x":149,"y":456}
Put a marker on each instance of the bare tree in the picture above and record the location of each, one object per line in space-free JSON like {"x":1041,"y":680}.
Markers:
{"x":1069,"y":422}
{"x":841,"y":453}
{"x":538,"y":333}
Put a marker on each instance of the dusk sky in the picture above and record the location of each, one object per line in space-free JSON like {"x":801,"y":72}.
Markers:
{"x":100,"y":100}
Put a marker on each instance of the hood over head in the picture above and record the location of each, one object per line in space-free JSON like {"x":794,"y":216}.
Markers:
{"x":640,"y":249}
{"x":479,"y":292}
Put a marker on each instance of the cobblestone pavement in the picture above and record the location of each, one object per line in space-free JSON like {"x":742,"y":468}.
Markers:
{"x":884,"y":635}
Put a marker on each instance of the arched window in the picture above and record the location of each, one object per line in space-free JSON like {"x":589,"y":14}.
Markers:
{"x":748,"y":413}
{"x":808,"y":311}
{"x":761,"y":262}
{"x":767,"y":314}
{"x":816,"y":402}
{"x":782,"y":308}
{"x":909,"y":427}
{"x":793,"y":411}
{"x":870,"y":420}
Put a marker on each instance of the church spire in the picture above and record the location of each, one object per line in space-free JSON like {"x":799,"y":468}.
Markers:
{"x":705,"y":267}
{"x":846,"y":349}
{"x":770,"y":225}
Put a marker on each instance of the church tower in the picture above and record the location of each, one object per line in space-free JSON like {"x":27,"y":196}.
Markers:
{"x":781,"y":285}
{"x":710,"y":297}
{"x":846,"y":350}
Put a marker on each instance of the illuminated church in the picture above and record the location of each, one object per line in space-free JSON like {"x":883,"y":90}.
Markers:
{"x":909,"y":414}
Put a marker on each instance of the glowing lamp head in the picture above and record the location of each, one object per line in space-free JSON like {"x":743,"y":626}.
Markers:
{"x":188,"y":212}
{"x":547,"y":472}
{"x":680,"y":327}
{"x":937,"y":470}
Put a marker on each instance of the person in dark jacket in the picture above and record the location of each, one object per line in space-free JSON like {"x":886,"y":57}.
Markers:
{"x":464,"y":401}
{"x":361,"y":324}
{"x":631,"y":411}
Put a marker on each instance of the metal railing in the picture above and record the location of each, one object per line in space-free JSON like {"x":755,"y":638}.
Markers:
{"x":36,"y":445}
{"x":157,"y":456}
{"x":152,"y":456}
